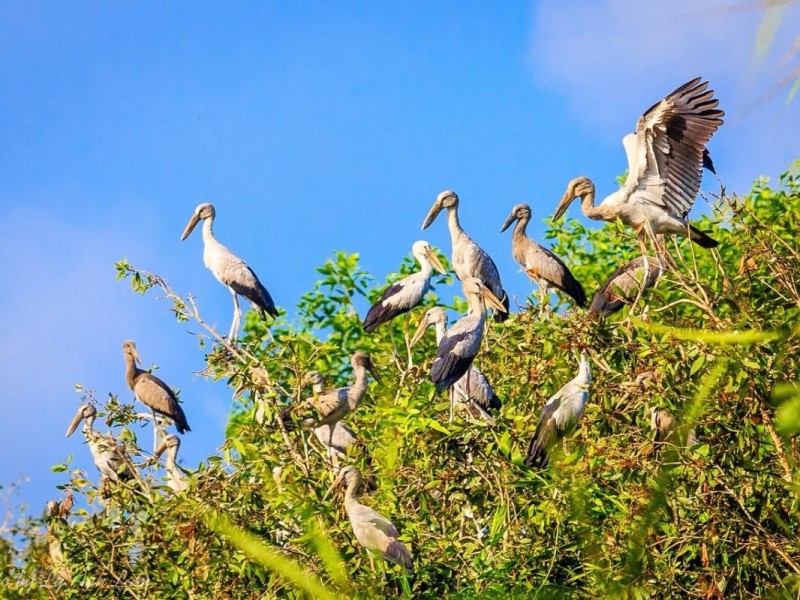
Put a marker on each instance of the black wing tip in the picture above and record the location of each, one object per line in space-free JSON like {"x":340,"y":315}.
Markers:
{"x":537,"y":455}
{"x":702,"y":239}
{"x":501,"y":317}
{"x":708,"y":164}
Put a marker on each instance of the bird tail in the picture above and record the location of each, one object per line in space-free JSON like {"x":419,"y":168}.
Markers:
{"x":397,"y":553}
{"x":537,"y":455}
{"x":701,"y":238}
{"x":603,"y":305}
{"x":285,"y":417}
{"x":498,"y":316}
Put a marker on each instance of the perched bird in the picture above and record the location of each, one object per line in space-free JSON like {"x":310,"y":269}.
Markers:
{"x":468,"y":259}
{"x":108,"y":455}
{"x":559,"y":415}
{"x":624,"y":285}
{"x":541,"y":265}
{"x":171,"y":444}
{"x":473,"y":389}
{"x":230,"y":270}
{"x":460,"y":344}
{"x":152,"y":392}
{"x":404,"y":295}
{"x":55,"y":523}
{"x":665,"y":428}
{"x":665,"y":165}
{"x":373,"y":531}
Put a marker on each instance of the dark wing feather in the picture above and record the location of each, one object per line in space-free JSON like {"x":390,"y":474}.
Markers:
{"x":500,"y":317}
{"x":380,"y":313}
{"x":553,"y":270}
{"x":448,"y":367}
{"x":252,"y":289}
{"x":621,"y":284}
{"x":544,"y":435}
{"x":159,"y":396}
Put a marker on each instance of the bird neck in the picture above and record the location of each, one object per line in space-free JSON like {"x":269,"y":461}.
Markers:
{"x":351,"y":494}
{"x":131,"y":370}
{"x":425,"y":266}
{"x":520,"y":228}
{"x":453,"y":224}
{"x":359,"y":386}
{"x":587,"y":205}
{"x":208,"y":230}
{"x":477,"y":308}
{"x":440,"y":329}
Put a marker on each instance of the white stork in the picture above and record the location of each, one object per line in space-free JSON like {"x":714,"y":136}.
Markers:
{"x":473,"y":388}
{"x":373,"y":531}
{"x":152,"y":392}
{"x":171,"y":444}
{"x":230,"y":270}
{"x":559,"y":415}
{"x":108,"y":455}
{"x":460,"y":344}
{"x":666,"y":156}
{"x":468,"y":259}
{"x":404,"y":295}
{"x":540,"y":264}
{"x":625,"y":283}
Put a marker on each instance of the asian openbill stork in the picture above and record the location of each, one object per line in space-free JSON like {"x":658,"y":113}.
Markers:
{"x":171,"y":444}
{"x":540,"y":264}
{"x":404,"y":295}
{"x":559,"y":415}
{"x":230,"y":270}
{"x":468,"y":259}
{"x":473,"y":388}
{"x":108,"y":455}
{"x":461,"y":343}
{"x":624,"y":285}
{"x":665,"y":429}
{"x":373,"y":531}
{"x":665,"y":165}
{"x":152,"y":392}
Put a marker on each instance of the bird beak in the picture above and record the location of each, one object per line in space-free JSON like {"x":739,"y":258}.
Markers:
{"x":437,"y":264}
{"x":336,"y":483}
{"x":511,"y":218}
{"x":75,"y":422}
{"x":492,"y":300}
{"x":421,"y":329}
{"x":136,"y":356}
{"x":562,"y":207}
{"x":160,"y":450}
{"x":373,"y":371}
{"x":432,"y":214}
{"x":191,"y":225}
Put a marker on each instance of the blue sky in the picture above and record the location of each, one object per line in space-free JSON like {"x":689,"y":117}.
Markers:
{"x":312,"y":127}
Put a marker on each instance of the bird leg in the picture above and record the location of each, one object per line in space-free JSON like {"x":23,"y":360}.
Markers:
{"x":237,"y":316}
{"x":544,"y":305}
{"x":452,"y":402}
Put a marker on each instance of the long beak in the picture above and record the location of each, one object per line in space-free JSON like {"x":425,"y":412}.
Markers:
{"x":136,"y":356}
{"x":437,"y":264}
{"x":373,"y":371}
{"x":190,"y":227}
{"x":562,"y":207}
{"x":336,"y":483}
{"x":421,"y":329}
{"x":511,"y":218}
{"x":160,"y":450}
{"x":490,"y":299}
{"x":432,"y":214}
{"x":75,"y":422}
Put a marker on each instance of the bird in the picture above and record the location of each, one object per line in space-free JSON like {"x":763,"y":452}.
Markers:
{"x":666,"y":156}
{"x":541,"y":264}
{"x":171,"y":444}
{"x":665,"y":428}
{"x":230,"y":270}
{"x":624,"y":284}
{"x":108,"y":455}
{"x":55,"y":524}
{"x":468,"y":259}
{"x":473,"y":388}
{"x":407,"y":293}
{"x":373,"y":531}
{"x":152,"y":392}
{"x":559,"y":415}
{"x":460,"y":344}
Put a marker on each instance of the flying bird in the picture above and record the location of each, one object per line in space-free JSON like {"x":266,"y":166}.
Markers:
{"x":230,"y":270}
{"x":666,"y":156}
{"x":541,"y":264}
{"x":624,"y":284}
{"x":468,"y":259}
{"x":373,"y":531}
{"x":407,"y":293}
{"x":473,"y":388}
{"x":108,"y":455}
{"x":559,"y":415}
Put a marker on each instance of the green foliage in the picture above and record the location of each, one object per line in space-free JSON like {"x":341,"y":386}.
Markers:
{"x":612,"y":516}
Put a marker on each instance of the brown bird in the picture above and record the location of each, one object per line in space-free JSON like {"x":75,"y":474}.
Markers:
{"x":541,"y":264}
{"x":373,"y":531}
{"x":624,"y":285}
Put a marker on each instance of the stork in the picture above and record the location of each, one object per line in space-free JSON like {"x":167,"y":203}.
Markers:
{"x":665,"y":165}
{"x":152,"y":392}
{"x":460,"y":344}
{"x":559,"y":415}
{"x":55,"y":524}
{"x":230,"y":270}
{"x":404,"y":295}
{"x":665,"y":428}
{"x":473,"y":388}
{"x":541,"y":265}
{"x":629,"y":280}
{"x":171,"y":444}
{"x":109,"y":456}
{"x":468,"y":259}
{"x":373,"y":531}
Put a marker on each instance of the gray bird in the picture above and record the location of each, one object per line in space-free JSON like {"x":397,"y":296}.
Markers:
{"x":108,"y":455}
{"x":468,"y":259}
{"x":230,"y":270}
{"x":559,"y":415}
{"x":407,"y":293}
{"x":540,"y":264}
{"x":171,"y":444}
{"x":666,"y":156}
{"x":473,"y":389}
{"x":624,"y":285}
{"x":373,"y":531}
{"x":665,"y":428}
